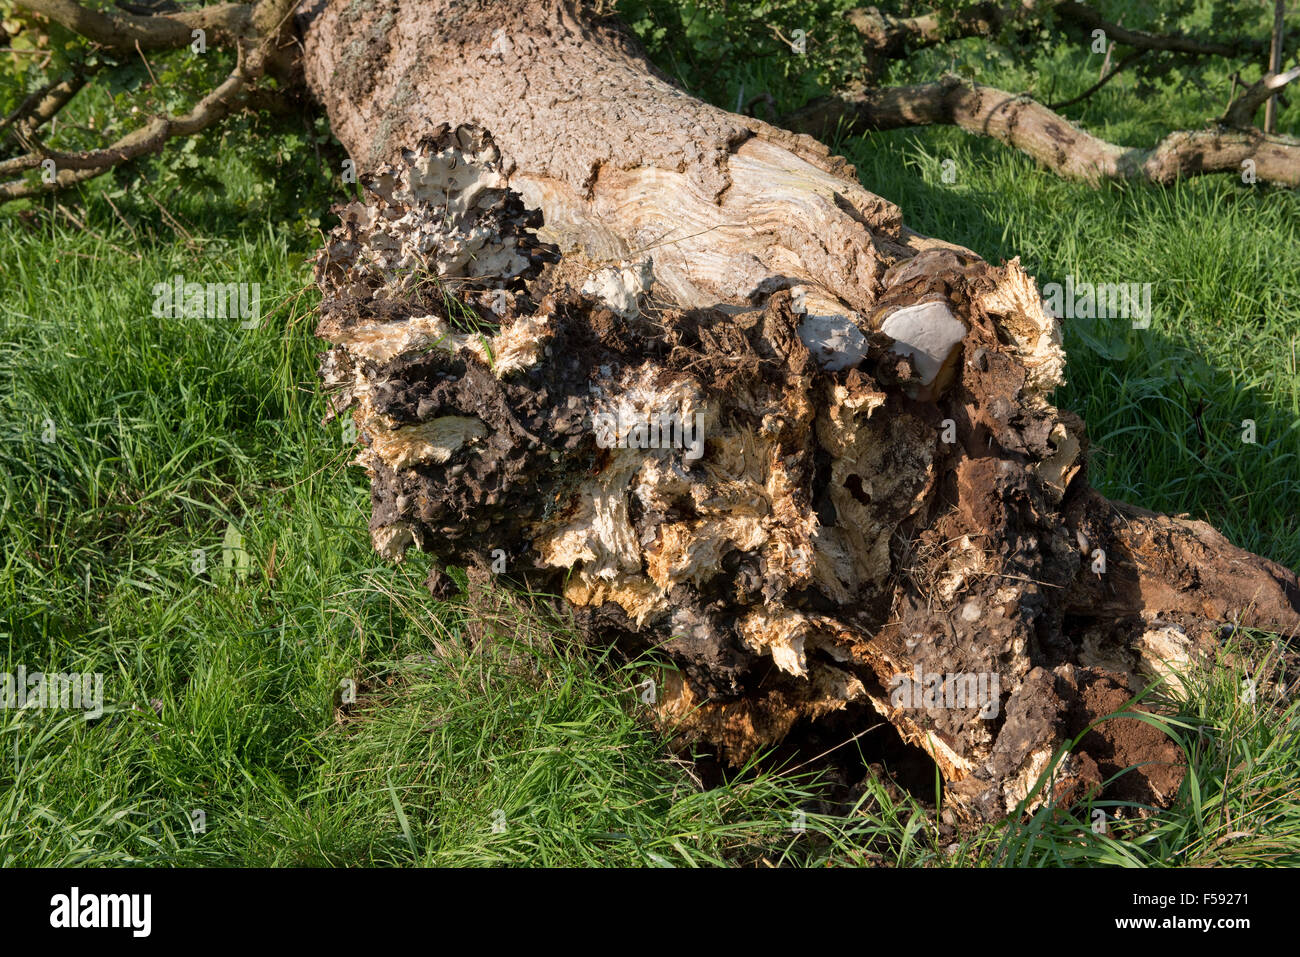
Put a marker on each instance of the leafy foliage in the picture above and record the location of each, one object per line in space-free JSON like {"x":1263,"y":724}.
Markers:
{"x":270,"y":149}
{"x":716,"y":47}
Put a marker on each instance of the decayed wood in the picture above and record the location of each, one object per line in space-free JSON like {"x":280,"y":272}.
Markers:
{"x":729,"y":407}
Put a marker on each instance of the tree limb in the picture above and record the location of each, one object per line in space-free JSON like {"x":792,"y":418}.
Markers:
{"x":1240,"y":113}
{"x":893,"y":37}
{"x":257,"y":48}
{"x":1090,"y":19}
{"x":121,"y":32}
{"x":1037,"y":131}
{"x":41,"y":106}
{"x":77,"y":167}
{"x":1119,"y":68}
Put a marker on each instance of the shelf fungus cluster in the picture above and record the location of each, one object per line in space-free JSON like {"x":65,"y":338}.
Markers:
{"x":808,"y":509}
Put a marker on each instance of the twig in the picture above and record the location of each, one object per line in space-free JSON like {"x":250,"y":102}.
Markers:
{"x":146,"y":62}
{"x":1274,"y":65}
{"x":1126,"y":62}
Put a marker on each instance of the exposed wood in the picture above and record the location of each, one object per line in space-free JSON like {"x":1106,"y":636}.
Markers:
{"x":722,"y":202}
{"x":861,"y":482}
{"x":1241,"y":111}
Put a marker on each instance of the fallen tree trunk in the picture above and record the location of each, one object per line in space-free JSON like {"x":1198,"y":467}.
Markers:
{"x":730,"y":407}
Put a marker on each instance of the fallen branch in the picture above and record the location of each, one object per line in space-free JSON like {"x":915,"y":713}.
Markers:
{"x":41,"y":106}
{"x":1090,"y":19}
{"x":893,"y":37}
{"x":1022,"y":123}
{"x":78,"y":167}
{"x":1241,"y":111}
{"x":256,"y":30}
{"x":121,"y":32}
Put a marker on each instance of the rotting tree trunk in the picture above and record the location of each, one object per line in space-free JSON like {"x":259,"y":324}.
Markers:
{"x":880,"y":490}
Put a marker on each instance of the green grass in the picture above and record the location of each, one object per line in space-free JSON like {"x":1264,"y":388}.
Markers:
{"x":481,"y":734}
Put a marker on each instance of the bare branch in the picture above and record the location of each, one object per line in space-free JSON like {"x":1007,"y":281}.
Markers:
{"x":1241,"y":111}
{"x":264,"y":22}
{"x":1090,"y":19}
{"x":1119,"y":68}
{"x":893,"y":37}
{"x":41,"y":106}
{"x":1049,"y":138}
{"x":21,"y":189}
{"x":78,"y":167}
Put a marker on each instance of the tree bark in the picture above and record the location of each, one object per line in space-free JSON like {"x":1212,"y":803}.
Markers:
{"x":1058,"y":144}
{"x":865,"y":484}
